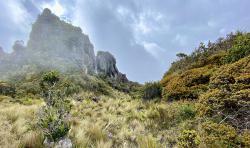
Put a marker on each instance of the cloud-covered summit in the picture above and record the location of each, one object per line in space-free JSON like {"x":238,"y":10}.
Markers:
{"x":144,"y":35}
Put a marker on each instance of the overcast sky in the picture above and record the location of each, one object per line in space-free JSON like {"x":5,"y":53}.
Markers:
{"x":144,"y":35}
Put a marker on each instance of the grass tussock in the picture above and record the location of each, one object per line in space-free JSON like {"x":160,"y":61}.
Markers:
{"x":17,"y":122}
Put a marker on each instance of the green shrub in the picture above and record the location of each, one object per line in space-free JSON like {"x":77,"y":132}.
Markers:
{"x":186,"y":85}
{"x":69,"y":87}
{"x":187,"y":112}
{"x":151,"y":90}
{"x":53,"y":125}
{"x":7,"y":90}
{"x":188,"y":139}
{"x":53,"y":117}
{"x":240,"y":49}
{"x":219,"y":135}
{"x":51,"y":77}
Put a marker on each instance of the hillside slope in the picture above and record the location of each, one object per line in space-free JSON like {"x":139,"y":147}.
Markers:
{"x":217,"y":79}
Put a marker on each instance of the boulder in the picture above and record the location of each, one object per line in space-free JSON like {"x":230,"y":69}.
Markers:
{"x":62,"y":143}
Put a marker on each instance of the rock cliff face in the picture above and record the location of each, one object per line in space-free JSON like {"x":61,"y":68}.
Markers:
{"x":55,"y":44}
{"x":55,"y":38}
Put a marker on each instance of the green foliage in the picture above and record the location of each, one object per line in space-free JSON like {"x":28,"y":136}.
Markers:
{"x":51,"y":77}
{"x":53,"y":124}
{"x":219,"y":135}
{"x":187,"y":111}
{"x":227,"y":96}
{"x":151,"y":90}
{"x":240,"y":49}
{"x":170,"y":115}
{"x":53,"y":117}
{"x":213,"y":53}
{"x":188,"y":139}
{"x":7,"y":90}
{"x":187,"y":85}
{"x":181,"y":55}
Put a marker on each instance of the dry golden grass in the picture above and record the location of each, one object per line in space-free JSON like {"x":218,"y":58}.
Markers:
{"x":123,"y":122}
{"x":120,"y":122}
{"x":15,"y":125}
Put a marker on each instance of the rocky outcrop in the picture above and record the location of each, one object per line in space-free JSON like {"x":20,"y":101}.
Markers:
{"x":55,"y":44}
{"x":53,"y":37}
{"x":106,"y":65}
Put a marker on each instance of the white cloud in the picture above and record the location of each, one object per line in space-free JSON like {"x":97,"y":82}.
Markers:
{"x":17,"y":14}
{"x":142,"y":27}
{"x":16,"y":22}
{"x":180,"y":39}
{"x":153,"y":49}
{"x":123,"y":11}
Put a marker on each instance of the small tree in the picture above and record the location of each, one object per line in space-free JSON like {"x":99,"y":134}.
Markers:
{"x":181,"y":55}
{"x":53,"y":117}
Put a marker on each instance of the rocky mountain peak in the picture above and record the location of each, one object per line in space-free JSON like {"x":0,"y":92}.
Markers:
{"x":56,"y":44}
{"x":55,"y":38}
{"x":46,"y":11}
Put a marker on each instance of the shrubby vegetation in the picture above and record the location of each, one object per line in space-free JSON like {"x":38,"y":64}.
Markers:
{"x":188,"y":138}
{"x":54,"y":116}
{"x":216,"y":79}
{"x":151,"y":90}
{"x":202,"y":101}
{"x":240,"y":48}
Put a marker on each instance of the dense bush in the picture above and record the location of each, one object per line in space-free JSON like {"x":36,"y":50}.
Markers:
{"x":240,"y":49}
{"x":51,"y":77}
{"x":151,"y":90}
{"x":219,"y":135}
{"x":189,"y":139}
{"x":187,"y":85}
{"x":7,"y":90}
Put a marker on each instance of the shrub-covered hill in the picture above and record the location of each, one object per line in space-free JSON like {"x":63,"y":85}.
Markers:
{"x":216,"y":78}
